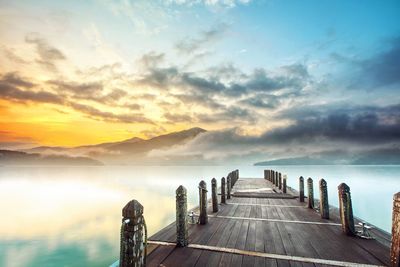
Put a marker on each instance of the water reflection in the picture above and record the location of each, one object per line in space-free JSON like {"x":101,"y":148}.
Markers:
{"x":70,"y":216}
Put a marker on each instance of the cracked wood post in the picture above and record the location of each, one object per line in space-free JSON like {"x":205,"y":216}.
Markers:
{"x":132,"y":247}
{"x":284,"y":187}
{"x":310,"y":189}
{"x":214,"y":194}
{"x":395,"y":248}
{"x":203,"y":218}
{"x":301,"y":189}
{"x":323,"y":199}
{"x":280,"y":181}
{"x":181,"y":215}
{"x":266,"y":174}
{"x":228,"y":187}
{"x":223,"y":198}
{"x":270,"y":175}
{"x":346,"y":210}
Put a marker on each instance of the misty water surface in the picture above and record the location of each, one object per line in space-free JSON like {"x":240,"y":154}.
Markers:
{"x":70,"y":216}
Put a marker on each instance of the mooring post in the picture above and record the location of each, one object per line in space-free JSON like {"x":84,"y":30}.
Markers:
{"x":280,"y":181}
{"x":310,"y":189}
{"x":346,"y":210}
{"x":284,"y":189}
{"x":265,"y":174}
{"x":228,"y":187}
{"x":203,"y":218}
{"x":133,"y":231}
{"x":323,"y":199}
{"x":274,"y":177}
{"x":214,"y":194}
{"x":237,"y":176}
{"x":181,"y":215}
{"x":301,"y":189}
{"x":223,"y":198}
{"x":395,"y":248}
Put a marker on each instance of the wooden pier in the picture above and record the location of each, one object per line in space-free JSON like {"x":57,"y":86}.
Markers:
{"x":259,"y":225}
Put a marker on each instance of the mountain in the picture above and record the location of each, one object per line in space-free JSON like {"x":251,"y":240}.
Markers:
{"x":385,"y":156}
{"x":130,"y":151}
{"x":9,"y":157}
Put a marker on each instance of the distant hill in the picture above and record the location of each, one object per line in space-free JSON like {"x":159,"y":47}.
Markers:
{"x":128,"y":151}
{"x":9,"y":157}
{"x":388,"y":156}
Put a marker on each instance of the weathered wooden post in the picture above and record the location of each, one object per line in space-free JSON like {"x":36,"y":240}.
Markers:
{"x":214,"y":195}
{"x":301,"y":189}
{"x":223,"y":198}
{"x":280,"y":181}
{"x":265,"y":174}
{"x":346,"y":210}
{"x":228,"y":187}
{"x":274,"y":177}
{"x":310,"y":189}
{"x":133,"y":231}
{"x":284,"y":188}
{"x":395,"y":248}
{"x":203,"y":218}
{"x":181,"y":215}
{"x":323,"y":199}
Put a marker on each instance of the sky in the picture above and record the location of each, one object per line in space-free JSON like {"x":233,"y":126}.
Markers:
{"x":324,"y":73}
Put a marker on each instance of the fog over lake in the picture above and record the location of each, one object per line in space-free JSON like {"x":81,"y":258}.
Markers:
{"x":70,"y":216}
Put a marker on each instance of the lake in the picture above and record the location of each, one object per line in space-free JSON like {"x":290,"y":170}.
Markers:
{"x":70,"y":216}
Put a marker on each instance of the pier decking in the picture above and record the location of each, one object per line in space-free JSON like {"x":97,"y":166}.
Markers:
{"x":261,"y":226}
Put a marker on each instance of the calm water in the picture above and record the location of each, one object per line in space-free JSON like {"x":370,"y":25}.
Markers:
{"x":70,"y":216}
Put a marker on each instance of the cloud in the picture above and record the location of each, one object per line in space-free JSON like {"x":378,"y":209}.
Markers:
{"x":10,"y":88}
{"x":383,"y":69}
{"x":48,"y":55}
{"x":191,"y":45}
{"x":210,"y":3}
{"x":366,"y":128}
{"x":110,"y":116}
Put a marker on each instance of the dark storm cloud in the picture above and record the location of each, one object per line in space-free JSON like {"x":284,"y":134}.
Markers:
{"x":48,"y":55}
{"x":190,"y":45}
{"x":357,"y":124}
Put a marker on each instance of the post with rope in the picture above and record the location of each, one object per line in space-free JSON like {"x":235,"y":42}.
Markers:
{"x":228,"y":186}
{"x":301,"y":189}
{"x":181,"y":215}
{"x":310,"y":189}
{"x":214,"y":194}
{"x":395,"y":248}
{"x":284,"y":186}
{"x":223,"y":197}
{"x":346,"y":210}
{"x":203,"y":218}
{"x":323,"y":199}
{"x":133,"y":245}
